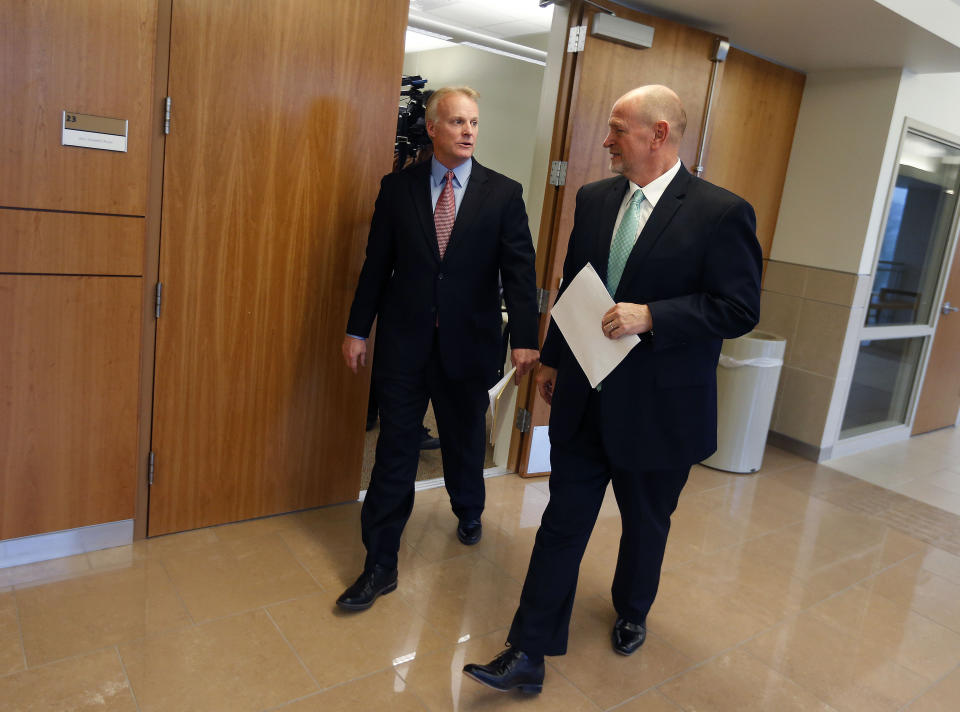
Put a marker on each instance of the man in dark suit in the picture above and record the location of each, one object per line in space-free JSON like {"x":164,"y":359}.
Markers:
{"x":442,"y":233}
{"x":681,"y":260}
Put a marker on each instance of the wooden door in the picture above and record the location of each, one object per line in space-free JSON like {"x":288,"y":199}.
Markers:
{"x":591,"y":81}
{"x":751,"y":134}
{"x":72,"y":225}
{"x":283,"y":121}
{"x":939,"y":400}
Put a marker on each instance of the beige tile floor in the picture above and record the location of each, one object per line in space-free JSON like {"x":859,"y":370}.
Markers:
{"x":926,"y":468}
{"x":799,"y":588}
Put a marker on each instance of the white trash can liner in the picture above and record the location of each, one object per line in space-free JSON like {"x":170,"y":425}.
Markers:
{"x":747,"y":378}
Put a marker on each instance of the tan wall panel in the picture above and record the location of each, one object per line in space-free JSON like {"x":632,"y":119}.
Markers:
{"x":70,"y":243}
{"x":69,"y":388}
{"x":751,"y":134}
{"x":88,"y":56}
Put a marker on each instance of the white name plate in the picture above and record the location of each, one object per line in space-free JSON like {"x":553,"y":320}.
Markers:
{"x":89,"y":131}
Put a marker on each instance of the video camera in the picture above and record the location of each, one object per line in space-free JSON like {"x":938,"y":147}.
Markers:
{"x":411,"y":121}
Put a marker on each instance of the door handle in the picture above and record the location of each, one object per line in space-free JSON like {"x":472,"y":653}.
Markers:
{"x":947,"y":309}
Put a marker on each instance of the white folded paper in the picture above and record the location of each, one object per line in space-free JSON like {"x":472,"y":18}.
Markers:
{"x":578,"y":314}
{"x":497,"y":389}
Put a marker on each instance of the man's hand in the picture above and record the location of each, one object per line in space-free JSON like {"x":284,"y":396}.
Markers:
{"x":354,"y":350}
{"x":546,"y":377}
{"x":524,"y":360}
{"x":625,"y":318}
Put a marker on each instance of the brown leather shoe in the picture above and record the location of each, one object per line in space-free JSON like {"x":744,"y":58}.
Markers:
{"x":627,"y":637}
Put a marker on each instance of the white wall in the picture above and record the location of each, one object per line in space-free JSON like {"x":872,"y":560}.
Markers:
{"x":827,"y":210}
{"x":509,"y":102}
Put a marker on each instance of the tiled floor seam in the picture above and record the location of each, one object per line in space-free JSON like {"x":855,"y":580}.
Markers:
{"x":176,"y":591}
{"x":909,"y":606}
{"x":787,"y":677}
{"x":932,"y":686}
{"x":23,"y":643}
{"x":299,"y":562}
{"x":295,"y":652}
{"x":914,"y":534}
{"x":555,"y":670}
{"x":743,"y":642}
{"x":126,"y":676}
{"x":284,"y":705}
{"x":50,"y":663}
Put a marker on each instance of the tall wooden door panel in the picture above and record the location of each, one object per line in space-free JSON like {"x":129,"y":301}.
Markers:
{"x":70,"y":342}
{"x":939,"y":401}
{"x":604,"y":71}
{"x":69,"y":377}
{"x":751,"y":134}
{"x":283,"y":121}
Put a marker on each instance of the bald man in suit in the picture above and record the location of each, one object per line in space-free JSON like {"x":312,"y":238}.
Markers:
{"x":681,"y":260}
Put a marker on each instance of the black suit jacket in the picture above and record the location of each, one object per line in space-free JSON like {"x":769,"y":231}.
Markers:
{"x":697,"y":265}
{"x":412,"y":292}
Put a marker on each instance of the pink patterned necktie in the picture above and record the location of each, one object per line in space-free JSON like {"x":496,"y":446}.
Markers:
{"x":444,"y":214}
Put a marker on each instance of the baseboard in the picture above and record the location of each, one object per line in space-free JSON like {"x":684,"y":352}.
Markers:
{"x":797,"y":447}
{"x":68,"y":542}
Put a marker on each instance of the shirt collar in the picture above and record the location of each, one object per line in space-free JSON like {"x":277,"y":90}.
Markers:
{"x":654,"y":189}
{"x":438,"y":172}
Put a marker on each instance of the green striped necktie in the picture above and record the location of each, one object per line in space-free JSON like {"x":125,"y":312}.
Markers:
{"x":623,"y":241}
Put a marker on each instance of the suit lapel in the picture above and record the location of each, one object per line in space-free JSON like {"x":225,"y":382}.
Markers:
{"x":609,"y":209}
{"x":470,"y":207}
{"x":659,"y":219}
{"x":420,"y":197}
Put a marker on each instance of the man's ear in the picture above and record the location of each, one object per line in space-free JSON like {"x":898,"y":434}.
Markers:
{"x":661,"y":132}
{"x":431,"y":127}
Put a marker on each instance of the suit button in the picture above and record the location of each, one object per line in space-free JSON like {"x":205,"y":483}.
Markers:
{"x":440,"y":276}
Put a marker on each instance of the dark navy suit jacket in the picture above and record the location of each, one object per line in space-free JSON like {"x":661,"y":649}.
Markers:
{"x":697,"y":266}
{"x":412,"y":292}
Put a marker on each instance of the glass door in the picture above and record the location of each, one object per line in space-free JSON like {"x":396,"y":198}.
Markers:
{"x":900,"y":316}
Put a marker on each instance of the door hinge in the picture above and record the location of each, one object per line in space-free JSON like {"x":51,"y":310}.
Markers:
{"x":166,"y":115}
{"x":150,"y":469}
{"x":577,"y":39}
{"x":156,"y":312}
{"x":543,"y":300}
{"x":558,"y":173}
{"x":523,"y":420}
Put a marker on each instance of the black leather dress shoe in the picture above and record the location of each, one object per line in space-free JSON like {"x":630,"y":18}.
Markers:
{"x":627,"y":637}
{"x":372,"y":583}
{"x":511,"y":669}
{"x":427,"y":441}
{"x":469,"y":531}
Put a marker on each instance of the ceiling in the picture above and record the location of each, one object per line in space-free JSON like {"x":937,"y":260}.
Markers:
{"x":502,"y":19}
{"x":808,"y":35}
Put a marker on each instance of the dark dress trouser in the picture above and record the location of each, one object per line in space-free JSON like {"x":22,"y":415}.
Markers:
{"x":578,"y":481}
{"x":460,"y":407}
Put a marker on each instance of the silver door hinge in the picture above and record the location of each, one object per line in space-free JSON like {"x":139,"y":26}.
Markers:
{"x":156,"y":312}
{"x":577,"y":39}
{"x":543,"y":300}
{"x":166,"y":115}
{"x":558,"y":173}
{"x":150,"y":469}
{"x":523,"y":420}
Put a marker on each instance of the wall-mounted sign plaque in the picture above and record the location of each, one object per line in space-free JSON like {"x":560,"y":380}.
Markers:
{"x":94,"y":132}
